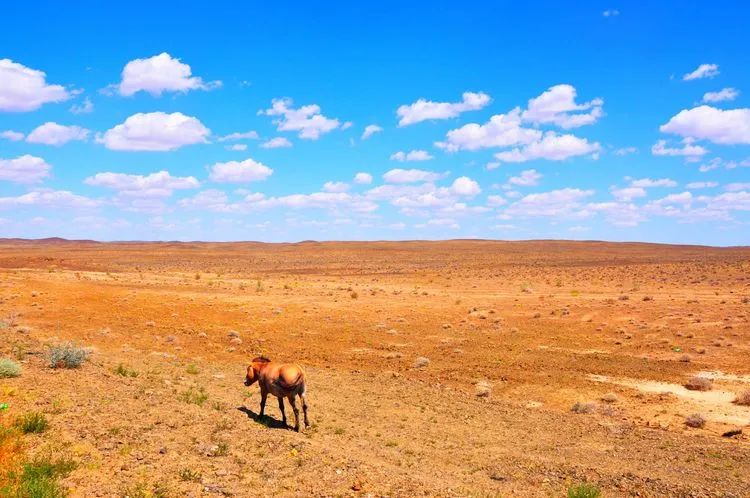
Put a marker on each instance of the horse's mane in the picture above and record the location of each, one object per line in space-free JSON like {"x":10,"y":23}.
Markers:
{"x":261,"y":359}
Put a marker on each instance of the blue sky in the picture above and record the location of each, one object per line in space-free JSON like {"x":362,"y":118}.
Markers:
{"x":358,"y":120}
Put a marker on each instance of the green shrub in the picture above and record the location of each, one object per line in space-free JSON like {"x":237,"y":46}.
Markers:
{"x":67,"y":356}
{"x":9,"y":368}
{"x":141,"y":490}
{"x":39,"y":479}
{"x":192,"y":369}
{"x":194,"y":396}
{"x":584,"y":490}
{"x":32,"y":423}
{"x":125,"y":371}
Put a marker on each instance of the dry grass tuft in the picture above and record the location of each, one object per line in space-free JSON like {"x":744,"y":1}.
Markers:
{"x":743,"y":399}
{"x":699,"y":384}
{"x":695,"y":421}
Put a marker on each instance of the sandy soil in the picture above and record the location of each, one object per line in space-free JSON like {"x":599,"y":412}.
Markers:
{"x":514,"y":333}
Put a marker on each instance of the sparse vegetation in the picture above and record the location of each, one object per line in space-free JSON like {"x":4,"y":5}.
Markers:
{"x":192,"y":369}
{"x":32,"y":423}
{"x":67,"y":356}
{"x":697,"y":383}
{"x":125,"y":371}
{"x":584,"y":490}
{"x":38,"y":478}
{"x":194,"y":396}
{"x":696,"y":421}
{"x":9,"y":368}
{"x":190,"y":475}
{"x":743,"y":399}
{"x":583,"y":407}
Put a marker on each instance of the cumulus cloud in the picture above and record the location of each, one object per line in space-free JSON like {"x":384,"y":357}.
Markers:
{"x":721,"y":96}
{"x":527,"y":178}
{"x":553,"y":147}
{"x":13,"y":136}
{"x":423,"y":110}
{"x":689,"y":150}
{"x":307,"y":120}
{"x":736,"y":187}
{"x":236,"y":147}
{"x":56,"y":134}
{"x":558,"y":106}
{"x":24,"y":89}
{"x":248,"y":170}
{"x":276,"y":143}
{"x":627,"y":193}
{"x":233,"y":137}
{"x":363,"y":178}
{"x":335,"y":187}
{"x":24,"y":169}
{"x":414,"y":155}
{"x":563,"y":203}
{"x":700,"y":185}
{"x":648,"y":182}
{"x":727,"y":127}
{"x":85,"y":107}
{"x":159,"y":184}
{"x":611,"y":13}
{"x":155,"y":131}
{"x":411,"y":176}
{"x":502,"y":130}
{"x":702,"y":71}
{"x":158,"y":74}
{"x":370,"y":130}
{"x":465,"y":186}
{"x":59,"y":199}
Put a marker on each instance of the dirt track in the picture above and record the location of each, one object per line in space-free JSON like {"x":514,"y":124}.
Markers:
{"x":544,"y":324}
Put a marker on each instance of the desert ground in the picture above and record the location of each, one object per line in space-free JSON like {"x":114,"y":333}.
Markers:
{"x":455,"y":368}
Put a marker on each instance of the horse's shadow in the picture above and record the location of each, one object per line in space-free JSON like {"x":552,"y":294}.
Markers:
{"x":265,"y":420}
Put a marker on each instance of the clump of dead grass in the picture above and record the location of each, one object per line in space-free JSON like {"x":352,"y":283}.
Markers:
{"x":698,"y":383}
{"x":743,"y":399}
{"x":696,"y":421}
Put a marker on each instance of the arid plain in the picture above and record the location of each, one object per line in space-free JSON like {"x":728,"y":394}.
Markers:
{"x":456,"y":368}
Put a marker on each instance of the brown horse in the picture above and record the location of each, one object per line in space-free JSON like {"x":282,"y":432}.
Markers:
{"x":283,"y":380}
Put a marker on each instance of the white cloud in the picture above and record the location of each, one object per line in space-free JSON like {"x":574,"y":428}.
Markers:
{"x":731,"y":201}
{"x":620,"y":214}
{"x":159,"y":184}
{"x":24,"y":169}
{"x":276,"y":143}
{"x":702,"y":71}
{"x":239,"y":172}
{"x":307,"y":120}
{"x":660,"y":148}
{"x":699,"y":185}
{"x":13,"y":136}
{"x":563,"y":203}
{"x":721,"y":96}
{"x":56,"y":134}
{"x":370,"y":130}
{"x":84,"y":108}
{"x":155,"y":131}
{"x":158,"y":74}
{"x":363,"y":178}
{"x":423,"y":110}
{"x":624,"y":151}
{"x":611,"y":13}
{"x":552,"y":147}
{"x":708,"y":123}
{"x":252,"y":135}
{"x":61,"y":199}
{"x":557,"y":106}
{"x":527,"y":178}
{"x":24,"y":89}
{"x":496,"y":200}
{"x":627,"y":193}
{"x":465,"y":186}
{"x":414,"y":155}
{"x":648,"y":183}
{"x":736,"y":187}
{"x":335,"y":187}
{"x":411,"y":176}
{"x":237,"y":147}
{"x":502,"y":130}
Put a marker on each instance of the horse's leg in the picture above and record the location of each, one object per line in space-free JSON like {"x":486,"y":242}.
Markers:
{"x":296,"y":412}
{"x":303,"y":397}
{"x":281,"y":407}
{"x":263,"y":396}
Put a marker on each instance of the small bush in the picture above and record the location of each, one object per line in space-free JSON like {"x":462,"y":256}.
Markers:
{"x":32,"y":423}
{"x":39,"y":478}
{"x":699,"y":384}
{"x":610,"y":398}
{"x":743,"y":399}
{"x":190,"y":475}
{"x":584,"y":491}
{"x":194,"y":396}
{"x":9,"y":368}
{"x":142,"y":490}
{"x":421,"y":362}
{"x":125,"y":371}
{"x":579,"y":407}
{"x":695,"y":421}
{"x":67,"y":356}
{"x":192,"y":369}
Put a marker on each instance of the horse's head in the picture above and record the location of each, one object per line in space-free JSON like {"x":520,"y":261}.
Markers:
{"x":254,"y":369}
